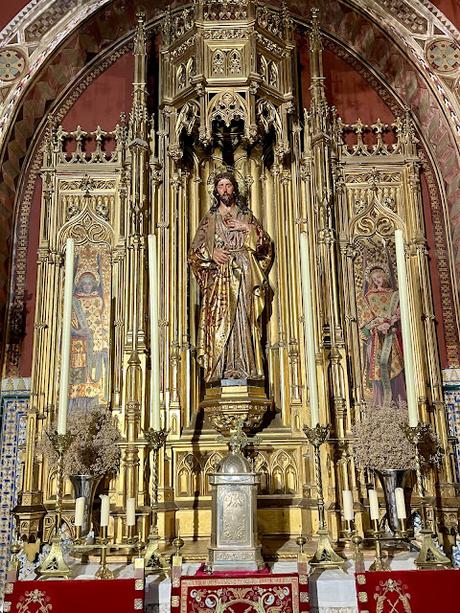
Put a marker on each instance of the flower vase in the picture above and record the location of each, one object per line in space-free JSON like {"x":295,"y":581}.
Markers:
{"x":86,"y":486}
{"x":391,"y":478}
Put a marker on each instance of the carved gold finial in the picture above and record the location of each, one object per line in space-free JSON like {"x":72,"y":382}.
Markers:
{"x":318,"y":93}
{"x":315,"y":37}
{"x":139,"y":38}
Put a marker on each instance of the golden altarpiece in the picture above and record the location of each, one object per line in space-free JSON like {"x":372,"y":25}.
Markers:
{"x":227,"y":97}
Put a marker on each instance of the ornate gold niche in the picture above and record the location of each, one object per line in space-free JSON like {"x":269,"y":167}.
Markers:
{"x":227,"y":96}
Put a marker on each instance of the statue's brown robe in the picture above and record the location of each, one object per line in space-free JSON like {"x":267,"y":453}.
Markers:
{"x":233,"y":296}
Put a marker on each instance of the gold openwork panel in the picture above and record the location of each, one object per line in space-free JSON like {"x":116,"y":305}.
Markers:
{"x":280,"y":470}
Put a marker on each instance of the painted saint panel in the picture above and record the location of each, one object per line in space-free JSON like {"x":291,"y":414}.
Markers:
{"x":380,"y":326}
{"x":89,"y":359}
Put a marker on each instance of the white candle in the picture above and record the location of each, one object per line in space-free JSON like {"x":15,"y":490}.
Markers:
{"x":409,"y":370}
{"x":400,"y":503}
{"x":66,"y":337}
{"x":309,"y":329}
{"x":105,"y":507}
{"x":348,"y":511}
{"x":373,"y":504}
{"x":154,"y":340}
{"x":131,"y":512}
{"x":79,"y":510}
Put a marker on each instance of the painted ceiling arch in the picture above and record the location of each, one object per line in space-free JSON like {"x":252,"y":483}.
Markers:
{"x":53,"y":43}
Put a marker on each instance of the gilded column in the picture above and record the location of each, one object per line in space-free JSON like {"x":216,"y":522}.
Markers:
{"x":135,"y":280}
{"x":426,"y":354}
{"x":323,"y":166}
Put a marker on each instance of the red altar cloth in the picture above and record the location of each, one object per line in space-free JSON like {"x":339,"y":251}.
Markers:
{"x":409,"y":591}
{"x":75,"y":596}
{"x":240,"y":593}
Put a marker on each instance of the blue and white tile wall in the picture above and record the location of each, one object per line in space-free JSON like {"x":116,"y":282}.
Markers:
{"x":451,"y":386}
{"x":14,"y":401}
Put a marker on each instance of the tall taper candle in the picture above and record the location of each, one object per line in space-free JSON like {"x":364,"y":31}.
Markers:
{"x":309,"y":327}
{"x":400,"y":503}
{"x":66,"y":337}
{"x":131,"y":512}
{"x":373,"y":504}
{"x":154,"y":340}
{"x":105,"y":508}
{"x":409,"y":370}
{"x":348,"y":511}
{"x":79,"y":510}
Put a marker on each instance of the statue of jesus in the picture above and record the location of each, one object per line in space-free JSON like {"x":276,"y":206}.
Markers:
{"x":231,"y":256}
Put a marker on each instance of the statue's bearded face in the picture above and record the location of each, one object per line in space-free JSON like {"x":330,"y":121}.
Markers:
{"x":225,"y":191}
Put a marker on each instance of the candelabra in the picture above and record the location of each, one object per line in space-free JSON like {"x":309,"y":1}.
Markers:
{"x":153,"y":559}
{"x":82,"y":549}
{"x":178,"y":543}
{"x":402,"y":532}
{"x":14,"y":564}
{"x":54,"y":564}
{"x":325,"y":556}
{"x":351,"y":534}
{"x":379,"y":563}
{"x":103,"y":572}
{"x":349,"y":529}
{"x":358,"y":556}
{"x":301,"y":542}
{"x":131,"y":538}
{"x":429,"y":556}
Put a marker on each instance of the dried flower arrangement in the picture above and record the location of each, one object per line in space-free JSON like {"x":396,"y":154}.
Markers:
{"x":380,"y":441}
{"x":94,"y":449}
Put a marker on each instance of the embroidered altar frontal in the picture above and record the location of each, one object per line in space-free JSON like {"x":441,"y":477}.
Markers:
{"x":408,"y":591}
{"x":75,"y":596}
{"x":244,"y":594}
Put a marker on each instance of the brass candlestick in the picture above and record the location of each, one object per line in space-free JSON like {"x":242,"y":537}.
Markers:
{"x":301,"y":556}
{"x":14,"y":564}
{"x":54,"y":564}
{"x":429,"y":555}
{"x":325,"y":556}
{"x":301,"y":542}
{"x":358,"y":556}
{"x":78,"y":538}
{"x":379,"y":563}
{"x":351,"y":535}
{"x":178,"y":543}
{"x":153,"y":559}
{"x":402,"y":531}
{"x":131,"y":537}
{"x":349,"y":529}
{"x":103,"y":571}
{"x":176,"y":560}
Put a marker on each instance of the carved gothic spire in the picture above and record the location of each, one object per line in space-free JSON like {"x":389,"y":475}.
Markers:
{"x":318,"y":94}
{"x":139,"y":110}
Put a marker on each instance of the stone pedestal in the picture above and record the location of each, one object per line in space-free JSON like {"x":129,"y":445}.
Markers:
{"x":234,"y":544}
